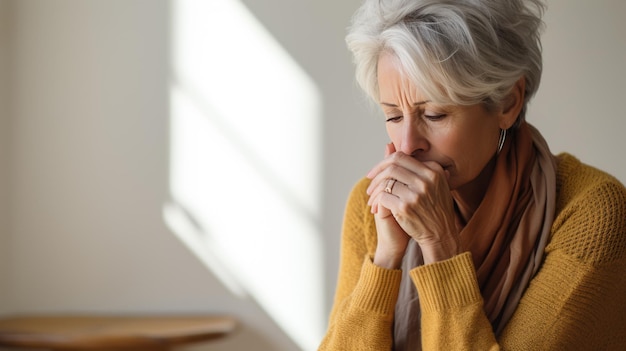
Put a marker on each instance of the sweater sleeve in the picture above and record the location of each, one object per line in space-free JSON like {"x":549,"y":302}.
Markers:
{"x":452,"y":306}
{"x":365,"y":298}
{"x":575,"y":302}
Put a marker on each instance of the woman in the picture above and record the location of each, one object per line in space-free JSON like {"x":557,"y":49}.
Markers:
{"x":470,"y":234}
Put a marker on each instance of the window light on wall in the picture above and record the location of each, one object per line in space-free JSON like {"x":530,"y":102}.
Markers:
{"x":245,"y":162}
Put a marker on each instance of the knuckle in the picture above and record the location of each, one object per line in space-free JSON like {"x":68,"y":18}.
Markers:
{"x":432,"y":175}
{"x":404,"y":207}
{"x":393,"y":168}
{"x":420,"y":187}
{"x":396,"y":156}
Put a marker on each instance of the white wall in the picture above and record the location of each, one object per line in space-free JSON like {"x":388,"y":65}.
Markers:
{"x":4,"y":144}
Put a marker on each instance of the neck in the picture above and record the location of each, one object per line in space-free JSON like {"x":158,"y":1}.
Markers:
{"x":469,"y":196}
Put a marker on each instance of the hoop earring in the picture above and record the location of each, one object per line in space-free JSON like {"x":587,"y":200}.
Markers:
{"x":501,"y":141}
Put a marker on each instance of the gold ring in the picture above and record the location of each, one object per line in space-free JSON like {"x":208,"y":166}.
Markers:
{"x":389,"y":186}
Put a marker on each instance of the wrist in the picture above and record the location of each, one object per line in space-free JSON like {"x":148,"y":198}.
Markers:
{"x":387,"y":259}
{"x":440,"y":251}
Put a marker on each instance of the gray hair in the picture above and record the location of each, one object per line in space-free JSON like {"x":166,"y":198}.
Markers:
{"x":458,"y":52}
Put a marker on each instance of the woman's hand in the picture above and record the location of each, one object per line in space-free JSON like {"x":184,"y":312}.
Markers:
{"x":416,"y":205}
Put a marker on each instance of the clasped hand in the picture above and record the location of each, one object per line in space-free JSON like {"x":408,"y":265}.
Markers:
{"x":417,"y":205}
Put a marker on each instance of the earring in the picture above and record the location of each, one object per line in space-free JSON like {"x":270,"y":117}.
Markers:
{"x":501,"y":141}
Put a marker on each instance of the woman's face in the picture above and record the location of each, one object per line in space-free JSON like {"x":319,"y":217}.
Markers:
{"x":462,"y":139}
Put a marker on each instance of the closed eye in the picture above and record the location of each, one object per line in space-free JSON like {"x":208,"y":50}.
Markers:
{"x":394,"y":119}
{"x":435,"y":117}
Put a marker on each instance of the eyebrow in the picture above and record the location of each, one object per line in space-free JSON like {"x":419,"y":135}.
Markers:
{"x":415,"y":104}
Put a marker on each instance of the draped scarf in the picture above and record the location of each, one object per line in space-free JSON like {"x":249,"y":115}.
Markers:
{"x":506,"y":235}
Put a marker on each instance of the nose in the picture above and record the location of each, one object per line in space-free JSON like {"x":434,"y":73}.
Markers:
{"x":414,"y":140}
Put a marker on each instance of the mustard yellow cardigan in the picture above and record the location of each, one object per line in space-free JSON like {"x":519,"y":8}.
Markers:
{"x":577,"y":300}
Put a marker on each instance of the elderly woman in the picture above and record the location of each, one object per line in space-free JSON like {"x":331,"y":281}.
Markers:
{"x":470,"y":234}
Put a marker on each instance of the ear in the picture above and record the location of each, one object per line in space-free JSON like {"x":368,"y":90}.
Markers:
{"x":512,"y":106}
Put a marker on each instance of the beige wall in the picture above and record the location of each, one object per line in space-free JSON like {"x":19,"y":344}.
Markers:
{"x":89,"y":145}
{"x":4,"y":144}
{"x":579,"y":104}
{"x":90,"y":165}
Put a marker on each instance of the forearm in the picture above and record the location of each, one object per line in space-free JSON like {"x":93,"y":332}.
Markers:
{"x":364,"y":319}
{"x":452,"y":306}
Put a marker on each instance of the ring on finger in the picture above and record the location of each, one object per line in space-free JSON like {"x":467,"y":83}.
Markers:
{"x":389,"y":186}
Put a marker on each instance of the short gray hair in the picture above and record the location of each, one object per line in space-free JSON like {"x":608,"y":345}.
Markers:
{"x":458,"y":52}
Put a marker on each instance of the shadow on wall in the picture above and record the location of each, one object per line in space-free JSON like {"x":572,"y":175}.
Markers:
{"x":245,"y":164}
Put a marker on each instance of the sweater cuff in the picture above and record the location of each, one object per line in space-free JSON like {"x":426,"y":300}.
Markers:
{"x":447,"y":284}
{"x":377,"y":288}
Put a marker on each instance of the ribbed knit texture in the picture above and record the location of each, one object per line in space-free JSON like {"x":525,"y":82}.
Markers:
{"x":371,"y":274}
{"x":447,"y":284}
{"x":577,"y":301}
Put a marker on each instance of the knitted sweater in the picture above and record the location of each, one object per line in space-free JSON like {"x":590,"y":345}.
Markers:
{"x":577,"y":300}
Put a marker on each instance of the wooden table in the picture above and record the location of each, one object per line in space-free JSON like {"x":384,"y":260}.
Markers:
{"x":111,"y":332}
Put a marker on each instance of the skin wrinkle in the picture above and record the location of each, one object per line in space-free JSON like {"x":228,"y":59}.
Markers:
{"x":437,"y":153}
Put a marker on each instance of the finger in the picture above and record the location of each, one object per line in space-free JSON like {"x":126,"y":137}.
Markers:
{"x":397,"y":158}
{"x":386,"y":187}
{"x":434,"y":166}
{"x":390,"y":149}
{"x":437,"y":169}
{"x":379,"y":210}
{"x":388,"y":182}
{"x":398,"y":172}
{"x":405,"y":185}
{"x":382,"y":172}
{"x":383,"y":212}
{"x":374,"y":206}
{"x":388,"y":205}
